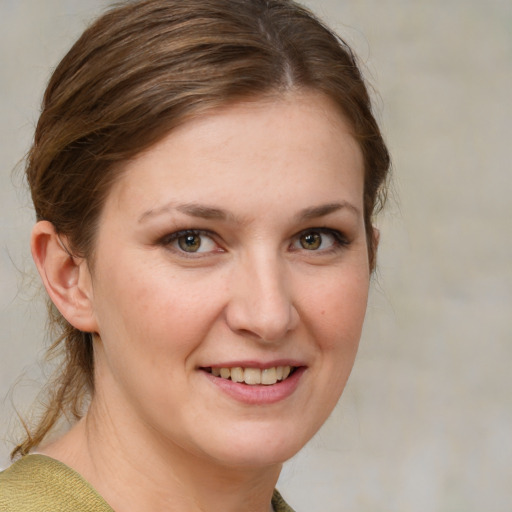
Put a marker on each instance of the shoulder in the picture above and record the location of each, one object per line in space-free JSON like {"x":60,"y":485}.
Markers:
{"x":37,"y":483}
{"x":278,"y":503}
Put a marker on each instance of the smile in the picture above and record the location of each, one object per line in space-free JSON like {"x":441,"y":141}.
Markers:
{"x":253,"y":376}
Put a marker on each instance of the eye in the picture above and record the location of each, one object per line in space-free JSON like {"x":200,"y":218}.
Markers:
{"x":191,"y":241}
{"x":319,"y":240}
{"x":311,"y":241}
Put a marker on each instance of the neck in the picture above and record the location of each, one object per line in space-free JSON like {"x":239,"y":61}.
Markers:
{"x":140,"y":472}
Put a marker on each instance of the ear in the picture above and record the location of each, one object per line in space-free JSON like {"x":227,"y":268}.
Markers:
{"x":67,"y":279}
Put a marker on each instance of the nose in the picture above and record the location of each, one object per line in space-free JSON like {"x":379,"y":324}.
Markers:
{"x":260,"y":304}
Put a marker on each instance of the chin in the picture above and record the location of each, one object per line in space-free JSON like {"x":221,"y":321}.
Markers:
{"x":259,"y":446}
{"x":256,"y":457}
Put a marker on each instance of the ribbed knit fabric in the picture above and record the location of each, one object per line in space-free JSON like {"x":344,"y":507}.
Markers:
{"x":279,"y":504}
{"x":37,"y":483}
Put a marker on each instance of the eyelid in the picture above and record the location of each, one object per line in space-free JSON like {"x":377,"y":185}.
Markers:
{"x":167,"y":241}
{"x":340,"y":239}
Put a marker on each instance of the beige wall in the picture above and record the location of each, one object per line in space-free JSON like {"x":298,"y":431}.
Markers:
{"x":426,"y":422}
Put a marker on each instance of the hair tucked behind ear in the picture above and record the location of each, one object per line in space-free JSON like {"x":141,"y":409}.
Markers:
{"x":139,"y":71}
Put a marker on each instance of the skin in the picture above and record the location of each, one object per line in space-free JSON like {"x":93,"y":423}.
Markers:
{"x":274,"y":168}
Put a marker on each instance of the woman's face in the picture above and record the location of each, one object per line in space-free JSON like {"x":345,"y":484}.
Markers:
{"x":230,"y":254}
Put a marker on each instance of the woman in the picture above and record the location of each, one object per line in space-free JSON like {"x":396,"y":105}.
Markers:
{"x":204,"y":175}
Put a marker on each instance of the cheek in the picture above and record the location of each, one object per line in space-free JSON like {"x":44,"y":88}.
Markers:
{"x":152,"y":311}
{"x":336,"y":312}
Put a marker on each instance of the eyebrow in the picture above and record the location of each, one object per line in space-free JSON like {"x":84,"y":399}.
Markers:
{"x":326,"y":209}
{"x":191,"y":209}
{"x":208,"y":212}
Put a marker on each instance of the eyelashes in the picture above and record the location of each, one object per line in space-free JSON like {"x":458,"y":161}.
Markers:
{"x":197,"y":242}
{"x":192,"y":241}
{"x":319,"y":240}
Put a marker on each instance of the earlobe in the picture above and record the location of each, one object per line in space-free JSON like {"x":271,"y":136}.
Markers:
{"x":67,"y":279}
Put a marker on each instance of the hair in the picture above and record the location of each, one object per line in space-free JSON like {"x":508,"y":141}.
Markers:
{"x":140,"y":70}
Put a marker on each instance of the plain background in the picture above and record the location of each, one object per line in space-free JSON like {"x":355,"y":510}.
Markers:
{"x":425,"y":424}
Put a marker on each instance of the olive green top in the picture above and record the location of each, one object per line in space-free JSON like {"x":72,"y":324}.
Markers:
{"x":37,"y":483}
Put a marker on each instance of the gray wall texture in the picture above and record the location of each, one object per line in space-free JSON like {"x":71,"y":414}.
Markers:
{"x":425,"y":424}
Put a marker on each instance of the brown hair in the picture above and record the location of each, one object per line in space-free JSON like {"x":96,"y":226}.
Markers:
{"x":135,"y":74}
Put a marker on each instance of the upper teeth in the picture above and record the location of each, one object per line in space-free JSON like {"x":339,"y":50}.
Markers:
{"x":253,"y":376}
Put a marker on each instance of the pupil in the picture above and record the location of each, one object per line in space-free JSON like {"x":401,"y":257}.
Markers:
{"x":190,"y":243}
{"x":311,"y":241}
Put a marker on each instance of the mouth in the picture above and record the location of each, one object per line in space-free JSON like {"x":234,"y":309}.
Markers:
{"x":253,"y":376}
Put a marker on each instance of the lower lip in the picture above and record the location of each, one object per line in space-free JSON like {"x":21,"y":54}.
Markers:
{"x":258,"y":394}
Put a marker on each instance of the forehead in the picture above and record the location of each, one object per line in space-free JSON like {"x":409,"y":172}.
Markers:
{"x":296,"y":141}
